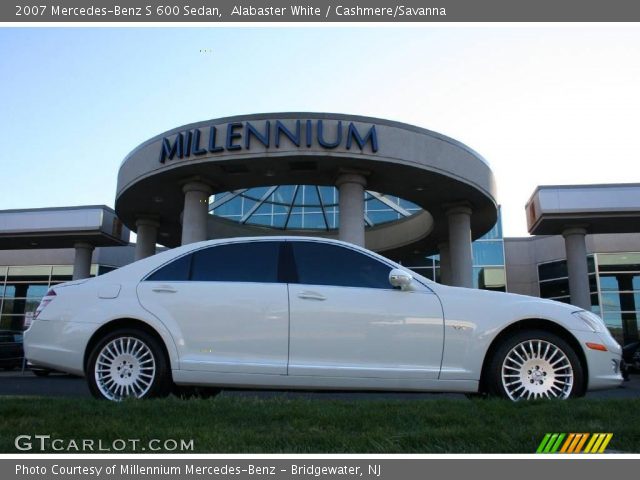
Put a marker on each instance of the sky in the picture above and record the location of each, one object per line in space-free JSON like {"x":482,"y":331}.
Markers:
{"x":544,"y":105}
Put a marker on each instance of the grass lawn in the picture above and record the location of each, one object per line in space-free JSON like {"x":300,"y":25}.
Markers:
{"x":251,"y":425}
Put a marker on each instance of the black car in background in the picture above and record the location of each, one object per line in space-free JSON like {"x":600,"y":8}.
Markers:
{"x":11,"y":351}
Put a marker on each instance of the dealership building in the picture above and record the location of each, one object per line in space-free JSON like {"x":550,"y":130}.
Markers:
{"x":420,"y":198}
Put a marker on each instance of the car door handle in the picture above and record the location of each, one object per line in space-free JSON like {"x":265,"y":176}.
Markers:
{"x":164,"y":289}
{"x":311,"y":296}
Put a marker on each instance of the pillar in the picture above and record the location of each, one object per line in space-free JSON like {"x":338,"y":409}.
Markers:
{"x":351,"y":204}
{"x":445,"y":263}
{"x":460,"y":254}
{"x":82,"y":260}
{"x":576,"y":248}
{"x":147,"y":237}
{"x":196,"y":210}
{"x":627,"y":304}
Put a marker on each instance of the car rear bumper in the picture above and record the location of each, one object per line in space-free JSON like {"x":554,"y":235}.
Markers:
{"x":58,"y":345}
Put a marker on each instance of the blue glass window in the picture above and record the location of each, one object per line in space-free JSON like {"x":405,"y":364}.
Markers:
{"x":488,"y":253}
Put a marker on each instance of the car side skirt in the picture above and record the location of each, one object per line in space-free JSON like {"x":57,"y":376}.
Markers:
{"x":261,"y":381}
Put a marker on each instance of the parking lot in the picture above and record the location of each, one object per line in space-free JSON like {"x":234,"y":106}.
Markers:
{"x":16,"y":383}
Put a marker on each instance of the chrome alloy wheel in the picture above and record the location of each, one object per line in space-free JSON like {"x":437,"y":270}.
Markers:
{"x":537,"y":369}
{"x":125,"y":367}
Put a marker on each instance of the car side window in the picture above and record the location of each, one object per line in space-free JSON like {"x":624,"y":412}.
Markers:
{"x":326,"y":264}
{"x":176,"y":271}
{"x":237,"y":262}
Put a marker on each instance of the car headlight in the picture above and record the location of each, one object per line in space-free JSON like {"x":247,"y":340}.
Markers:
{"x":593,"y":321}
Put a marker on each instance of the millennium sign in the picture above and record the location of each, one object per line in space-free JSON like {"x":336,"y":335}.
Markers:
{"x":272,"y":134}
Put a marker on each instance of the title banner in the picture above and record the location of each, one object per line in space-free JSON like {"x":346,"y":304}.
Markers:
{"x":233,"y":11}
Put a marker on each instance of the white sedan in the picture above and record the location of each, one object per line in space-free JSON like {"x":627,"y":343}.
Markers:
{"x":311,"y":313}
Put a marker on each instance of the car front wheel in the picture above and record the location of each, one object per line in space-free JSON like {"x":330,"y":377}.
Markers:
{"x":128,"y":363}
{"x":535,"y":364}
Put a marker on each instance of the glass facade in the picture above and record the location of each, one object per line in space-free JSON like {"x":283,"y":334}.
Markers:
{"x":22,"y":288}
{"x":614,"y":283}
{"x":488,"y":261}
{"x":307,"y":207}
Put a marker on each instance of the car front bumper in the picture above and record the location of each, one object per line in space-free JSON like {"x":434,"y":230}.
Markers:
{"x":604,"y":367}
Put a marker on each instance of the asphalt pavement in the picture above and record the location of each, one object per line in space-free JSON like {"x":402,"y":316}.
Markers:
{"x":17,"y":383}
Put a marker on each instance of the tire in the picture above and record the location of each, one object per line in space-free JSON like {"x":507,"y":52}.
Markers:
{"x":41,"y":373}
{"x":534,"y":364}
{"x":185,"y":392}
{"x":128,"y":363}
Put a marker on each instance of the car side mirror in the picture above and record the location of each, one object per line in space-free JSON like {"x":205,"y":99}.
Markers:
{"x":400,"y":278}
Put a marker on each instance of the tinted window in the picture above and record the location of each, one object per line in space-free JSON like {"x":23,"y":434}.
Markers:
{"x":322,"y":264}
{"x":237,"y":262}
{"x":176,"y":271}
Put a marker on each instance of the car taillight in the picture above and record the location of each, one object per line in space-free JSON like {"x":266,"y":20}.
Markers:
{"x":46,"y":300}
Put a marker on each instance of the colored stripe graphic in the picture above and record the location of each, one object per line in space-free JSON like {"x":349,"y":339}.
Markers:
{"x":556,"y":446}
{"x":605,"y":442}
{"x":578,"y":441}
{"x":550,"y":443}
{"x":568,"y":442}
{"x":599,"y":444}
{"x":590,"y":444}
{"x":553,"y":442}
{"x":543,"y":443}
{"x":582,"y":442}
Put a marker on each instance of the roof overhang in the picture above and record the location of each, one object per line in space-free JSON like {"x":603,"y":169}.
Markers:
{"x":61,"y":227}
{"x":611,"y":208}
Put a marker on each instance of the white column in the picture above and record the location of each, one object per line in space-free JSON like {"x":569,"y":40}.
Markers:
{"x":351,"y":204}
{"x":146,"y":237}
{"x":460,"y":254}
{"x":196,"y":209}
{"x":445,"y":263}
{"x":82,"y":260}
{"x":576,"y":248}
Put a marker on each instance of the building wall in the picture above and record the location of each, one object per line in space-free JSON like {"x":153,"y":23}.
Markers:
{"x":523,"y":255}
{"x":522,"y":277}
{"x":111,"y":256}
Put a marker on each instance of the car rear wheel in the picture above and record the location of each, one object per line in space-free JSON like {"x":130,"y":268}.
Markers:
{"x":128,"y":363}
{"x":534,"y":364}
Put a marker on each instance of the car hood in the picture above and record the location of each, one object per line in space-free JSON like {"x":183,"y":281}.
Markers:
{"x":508,"y":298}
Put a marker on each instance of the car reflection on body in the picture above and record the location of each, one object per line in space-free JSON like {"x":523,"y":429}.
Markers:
{"x":311,"y":313}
